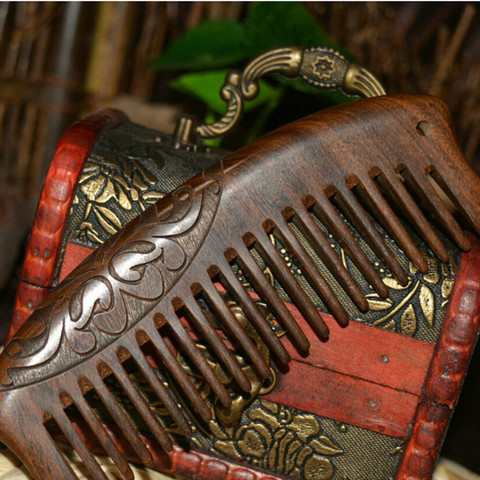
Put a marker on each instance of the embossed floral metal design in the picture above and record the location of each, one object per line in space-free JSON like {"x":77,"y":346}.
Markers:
{"x":122,"y":184}
{"x":275,"y":438}
{"x":416,"y":302}
{"x":324,"y":67}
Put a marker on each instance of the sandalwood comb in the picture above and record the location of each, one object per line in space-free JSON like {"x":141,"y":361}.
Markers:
{"x":369,"y":158}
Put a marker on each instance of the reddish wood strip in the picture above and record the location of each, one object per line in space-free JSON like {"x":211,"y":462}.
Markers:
{"x":374,"y":355}
{"x":53,"y":207}
{"x":357,"y":376}
{"x":377,"y":362}
{"x":368,"y":353}
{"x":346,"y":399}
{"x":73,"y":256}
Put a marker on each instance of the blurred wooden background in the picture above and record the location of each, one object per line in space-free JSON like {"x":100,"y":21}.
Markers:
{"x":59,"y":61}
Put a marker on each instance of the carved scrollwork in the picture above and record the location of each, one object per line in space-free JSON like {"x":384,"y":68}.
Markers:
{"x":94,"y":303}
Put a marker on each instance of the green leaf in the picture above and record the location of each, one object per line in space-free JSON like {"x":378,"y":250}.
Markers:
{"x":206,"y":87}
{"x":277,"y":24}
{"x":213,"y":44}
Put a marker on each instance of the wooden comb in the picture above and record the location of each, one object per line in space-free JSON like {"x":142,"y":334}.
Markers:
{"x":369,"y":158}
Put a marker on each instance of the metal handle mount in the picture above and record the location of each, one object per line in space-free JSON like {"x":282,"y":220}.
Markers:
{"x":323,"y":68}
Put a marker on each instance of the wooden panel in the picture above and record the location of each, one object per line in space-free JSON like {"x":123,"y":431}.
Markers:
{"x":368,"y":353}
{"x":346,"y":399}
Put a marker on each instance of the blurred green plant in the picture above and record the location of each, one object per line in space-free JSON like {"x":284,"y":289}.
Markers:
{"x":214,"y":44}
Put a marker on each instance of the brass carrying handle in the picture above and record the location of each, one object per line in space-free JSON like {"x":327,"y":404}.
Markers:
{"x":323,"y":68}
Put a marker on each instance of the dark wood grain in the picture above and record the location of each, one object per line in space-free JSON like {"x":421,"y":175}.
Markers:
{"x":134,"y":286}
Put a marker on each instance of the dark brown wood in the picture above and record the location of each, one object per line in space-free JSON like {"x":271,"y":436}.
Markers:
{"x":406,"y":204}
{"x":236,"y":330}
{"x":132,"y":290}
{"x":268,"y":293}
{"x":121,"y":419}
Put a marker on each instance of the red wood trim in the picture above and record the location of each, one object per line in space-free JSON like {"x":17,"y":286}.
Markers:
{"x":74,"y":256}
{"x":28,"y":295}
{"x":197,"y":464}
{"x":447,"y":370}
{"x":54,"y":204}
{"x":345,"y":399}
{"x":367,"y":353}
{"x":193,"y":464}
{"x":369,"y":390}
{"x":357,"y":377}
{"x":374,"y":354}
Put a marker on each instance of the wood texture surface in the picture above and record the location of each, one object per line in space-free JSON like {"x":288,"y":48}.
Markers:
{"x":131,"y":290}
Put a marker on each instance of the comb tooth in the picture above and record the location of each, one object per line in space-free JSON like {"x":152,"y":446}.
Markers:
{"x":293,"y":288}
{"x":355,"y":213}
{"x":391,"y":222}
{"x":313,"y":275}
{"x":390,"y":182}
{"x":344,"y":235}
{"x":211,"y":336}
{"x":53,"y":463}
{"x":268,"y":293}
{"x":466,"y":201}
{"x":141,"y":405}
{"x":322,"y":248}
{"x":121,"y":420}
{"x":234,"y":327}
{"x":77,"y":444}
{"x":196,"y":356}
{"x":241,"y":296}
{"x":177,"y":372}
{"x":159,"y":388}
{"x":426,"y":192}
{"x":102,"y":436}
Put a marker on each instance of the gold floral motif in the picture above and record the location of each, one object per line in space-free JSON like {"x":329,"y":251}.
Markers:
{"x":377,"y":304}
{"x":415,"y":302}
{"x":277,"y":439}
{"x":110,"y":190}
{"x":324,"y":67}
{"x":427,"y":303}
